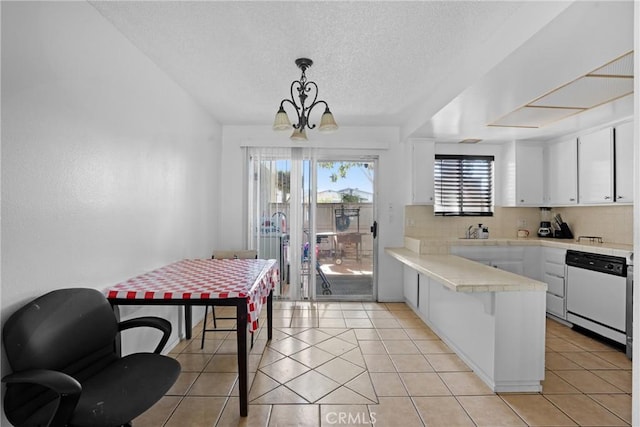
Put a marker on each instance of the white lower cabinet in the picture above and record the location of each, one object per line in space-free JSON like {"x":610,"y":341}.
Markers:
{"x":531,"y":262}
{"x":556,"y":306}
{"x":410,"y":284}
{"x":423,"y":295}
{"x":553,"y":269}
{"x":508,"y":258}
{"x":539,"y":263}
{"x":499,"y":335}
{"x":555,"y":284}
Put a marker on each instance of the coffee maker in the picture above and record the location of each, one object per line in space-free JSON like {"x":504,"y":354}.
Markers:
{"x":545,"y":224}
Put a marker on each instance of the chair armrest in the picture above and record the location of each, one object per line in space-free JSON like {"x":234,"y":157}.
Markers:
{"x":59,"y":382}
{"x":150,"y":322}
{"x":67,"y":387}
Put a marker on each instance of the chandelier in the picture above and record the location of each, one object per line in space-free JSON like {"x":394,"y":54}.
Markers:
{"x":303,"y":89}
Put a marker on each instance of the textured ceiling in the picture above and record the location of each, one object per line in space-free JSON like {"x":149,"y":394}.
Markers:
{"x":376,"y":63}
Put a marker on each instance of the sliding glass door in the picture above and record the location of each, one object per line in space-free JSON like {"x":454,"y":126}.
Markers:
{"x":345,"y":218}
{"x":279,"y":215}
{"x":315,"y":218}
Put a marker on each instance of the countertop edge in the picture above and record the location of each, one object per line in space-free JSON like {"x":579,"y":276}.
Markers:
{"x":430,"y":264}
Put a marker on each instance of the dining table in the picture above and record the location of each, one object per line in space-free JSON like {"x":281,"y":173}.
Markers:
{"x":246,"y":284}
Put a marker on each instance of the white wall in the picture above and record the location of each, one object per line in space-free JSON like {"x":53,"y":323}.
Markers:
{"x":108,"y":168}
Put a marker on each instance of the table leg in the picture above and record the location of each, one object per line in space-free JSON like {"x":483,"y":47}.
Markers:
{"x":118,"y":343}
{"x":187,"y":321}
{"x":270,"y":315}
{"x":243,"y":368}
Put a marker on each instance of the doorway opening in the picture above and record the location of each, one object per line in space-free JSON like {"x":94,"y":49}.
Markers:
{"x":345,"y":216}
{"x":317,"y":219}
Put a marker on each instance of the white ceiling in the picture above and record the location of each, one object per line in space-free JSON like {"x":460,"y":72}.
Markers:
{"x":442,"y":69}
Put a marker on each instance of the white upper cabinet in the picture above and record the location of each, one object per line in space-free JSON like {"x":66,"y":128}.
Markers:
{"x":529,"y":184}
{"x":523,"y":165}
{"x":561,"y":173}
{"x":624,"y":162}
{"x":422,"y":158}
{"x":595,"y":167}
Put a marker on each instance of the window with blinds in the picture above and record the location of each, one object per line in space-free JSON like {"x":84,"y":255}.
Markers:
{"x":463,"y":185}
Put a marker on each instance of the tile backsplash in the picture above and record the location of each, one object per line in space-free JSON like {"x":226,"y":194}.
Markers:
{"x":613,"y":223}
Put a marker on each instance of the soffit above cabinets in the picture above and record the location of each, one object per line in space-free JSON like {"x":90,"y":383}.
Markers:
{"x":533,"y":116}
{"x":602,"y":85}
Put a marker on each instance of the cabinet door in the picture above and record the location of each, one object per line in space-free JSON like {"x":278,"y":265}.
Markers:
{"x":595,"y":167}
{"x":562,"y":173}
{"x":422,"y":158}
{"x":624,"y":162}
{"x":531,"y":262}
{"x":423,"y":295}
{"x":410,"y":278}
{"x":555,"y":285}
{"x":554,"y":256}
{"x":529,"y":167}
{"x":555,"y":306}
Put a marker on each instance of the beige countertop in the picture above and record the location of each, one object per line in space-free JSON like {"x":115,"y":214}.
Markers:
{"x":441,"y":246}
{"x":463,"y":275}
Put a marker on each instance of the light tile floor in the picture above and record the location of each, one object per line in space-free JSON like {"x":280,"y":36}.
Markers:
{"x":370,"y":364}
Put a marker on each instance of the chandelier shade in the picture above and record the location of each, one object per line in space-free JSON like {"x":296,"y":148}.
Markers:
{"x":327,"y":122}
{"x":299,"y":135}
{"x":281,"y":121}
{"x":301,"y":90}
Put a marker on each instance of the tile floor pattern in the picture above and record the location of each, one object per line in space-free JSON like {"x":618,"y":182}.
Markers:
{"x":371,"y":364}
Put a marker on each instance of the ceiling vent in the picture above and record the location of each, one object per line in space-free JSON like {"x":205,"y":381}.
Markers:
{"x":469,"y":141}
{"x":605,"y":84}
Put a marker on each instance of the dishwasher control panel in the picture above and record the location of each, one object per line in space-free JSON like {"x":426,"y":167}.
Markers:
{"x":597,"y":262}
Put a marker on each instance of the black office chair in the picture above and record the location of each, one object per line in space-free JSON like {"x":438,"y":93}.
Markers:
{"x":67,"y":370}
{"x":243,"y":254}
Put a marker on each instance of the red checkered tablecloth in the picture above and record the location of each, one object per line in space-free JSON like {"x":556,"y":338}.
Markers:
{"x":190,"y":279}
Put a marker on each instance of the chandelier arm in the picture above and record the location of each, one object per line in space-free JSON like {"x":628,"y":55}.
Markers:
{"x":308,"y":89}
{"x":297,"y":90}
{"x":311,"y":108}
{"x":297,"y":110}
{"x":303,"y":94}
{"x":298,"y":86}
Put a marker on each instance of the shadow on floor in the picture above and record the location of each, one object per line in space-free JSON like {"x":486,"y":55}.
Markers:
{"x":342,"y":284}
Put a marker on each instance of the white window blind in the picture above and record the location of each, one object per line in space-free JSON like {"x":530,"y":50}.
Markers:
{"x":463,"y":185}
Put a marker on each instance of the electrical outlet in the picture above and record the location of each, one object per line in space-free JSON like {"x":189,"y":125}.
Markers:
{"x":522,"y":223}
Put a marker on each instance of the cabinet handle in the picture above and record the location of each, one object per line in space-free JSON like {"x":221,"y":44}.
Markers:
{"x":620,"y":197}
{"x":521,"y":200}
{"x":607,"y":197}
{"x":572,"y":199}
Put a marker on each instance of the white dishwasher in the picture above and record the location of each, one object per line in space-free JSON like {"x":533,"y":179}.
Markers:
{"x":597,"y":293}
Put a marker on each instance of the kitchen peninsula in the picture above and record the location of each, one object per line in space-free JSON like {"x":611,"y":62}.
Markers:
{"x":494,"y":320}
